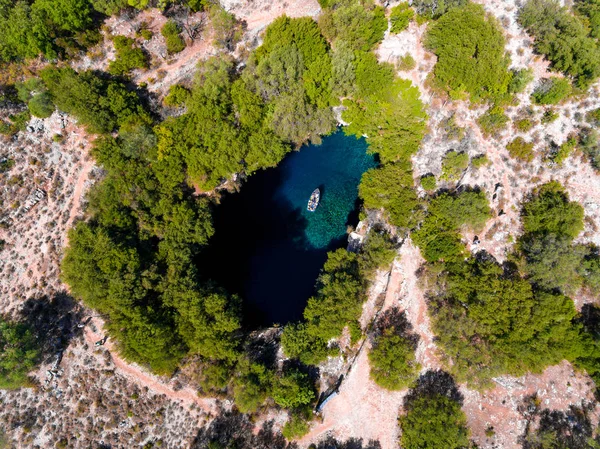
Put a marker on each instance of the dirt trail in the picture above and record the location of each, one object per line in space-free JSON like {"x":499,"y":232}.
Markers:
{"x":362,"y":409}
{"x":142,"y":378}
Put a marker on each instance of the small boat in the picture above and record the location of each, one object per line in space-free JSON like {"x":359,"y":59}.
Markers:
{"x":313,"y":202}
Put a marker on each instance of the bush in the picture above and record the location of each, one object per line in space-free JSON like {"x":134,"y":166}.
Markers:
{"x":295,"y":427}
{"x":479,"y":161}
{"x":251,"y":385}
{"x":433,"y":9}
{"x":406,"y":63}
{"x":453,"y":165}
{"x":378,"y":252}
{"x":593,"y":117}
{"x":518,"y":148}
{"x":493,"y":121}
{"x":400,"y":17}
{"x":551,"y":91}
{"x":40,"y":105}
{"x":129,"y":56}
{"x":18,"y":354}
{"x":470,"y":50}
{"x":565,"y":150}
{"x":173,"y":40}
{"x":524,"y":125}
{"x":178,"y":95}
{"x":428,"y":182}
{"x":549,"y":116}
{"x":520,"y":79}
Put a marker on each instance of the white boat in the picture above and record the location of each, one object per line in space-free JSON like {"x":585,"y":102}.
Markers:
{"x":313,"y":202}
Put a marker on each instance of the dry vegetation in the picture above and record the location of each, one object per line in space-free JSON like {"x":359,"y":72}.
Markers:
{"x":96,"y":398}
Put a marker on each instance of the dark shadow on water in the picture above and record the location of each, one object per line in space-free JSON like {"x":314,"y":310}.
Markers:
{"x":267,"y":248}
{"x":260,"y":252}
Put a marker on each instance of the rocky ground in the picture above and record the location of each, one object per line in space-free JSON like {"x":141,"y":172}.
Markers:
{"x":86,"y":393}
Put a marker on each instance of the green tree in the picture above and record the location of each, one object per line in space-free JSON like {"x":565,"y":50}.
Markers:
{"x":470,"y":50}
{"x":454,"y":165}
{"x":360,"y":24}
{"x":391,"y":188}
{"x":392,"y":356}
{"x":293,"y":389}
{"x":128,"y":56}
{"x":433,"y":421}
{"x":552,"y":262}
{"x":18,"y":354}
{"x":400,"y":17}
{"x":171,"y":32}
{"x":549,"y":211}
{"x":252,"y":385}
{"x":551,"y":91}
{"x":562,"y":38}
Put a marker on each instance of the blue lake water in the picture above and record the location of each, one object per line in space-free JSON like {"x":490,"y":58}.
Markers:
{"x":267,"y":247}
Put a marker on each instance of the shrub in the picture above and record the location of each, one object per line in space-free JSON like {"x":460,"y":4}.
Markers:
{"x":18,"y":354}
{"x":524,"y":125}
{"x":251,"y":385}
{"x":428,"y":182}
{"x":173,"y":40}
{"x":453,"y":165}
{"x":549,"y":116}
{"x":400,"y":17}
{"x":518,"y":148}
{"x":433,"y":9}
{"x":593,"y":117}
{"x":551,"y":91}
{"x":129,"y":56}
{"x":178,"y":95}
{"x":493,"y":121}
{"x":378,"y":252}
{"x":40,"y":105}
{"x":481,"y":160}
{"x":295,"y":427}
{"x":470,"y":50}
{"x":406,"y":63}
{"x":520,"y":79}
{"x":565,"y":150}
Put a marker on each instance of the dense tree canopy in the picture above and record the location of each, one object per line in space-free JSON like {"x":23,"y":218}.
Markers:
{"x":562,"y":38}
{"x":438,"y":237}
{"x":470,"y":50}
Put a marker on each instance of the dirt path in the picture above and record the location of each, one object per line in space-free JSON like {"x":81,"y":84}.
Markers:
{"x":137,"y":375}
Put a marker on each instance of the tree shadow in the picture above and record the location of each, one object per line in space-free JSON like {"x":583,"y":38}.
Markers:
{"x":395,"y":319}
{"x":568,"y":429}
{"x":352,"y":443}
{"x":53,"y":322}
{"x":432,"y":383}
{"x":233,"y":429}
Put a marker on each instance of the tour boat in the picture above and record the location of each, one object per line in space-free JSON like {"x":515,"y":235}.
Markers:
{"x":313,"y":202}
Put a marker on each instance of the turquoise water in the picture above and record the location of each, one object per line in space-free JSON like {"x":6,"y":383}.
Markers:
{"x":267,"y":247}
